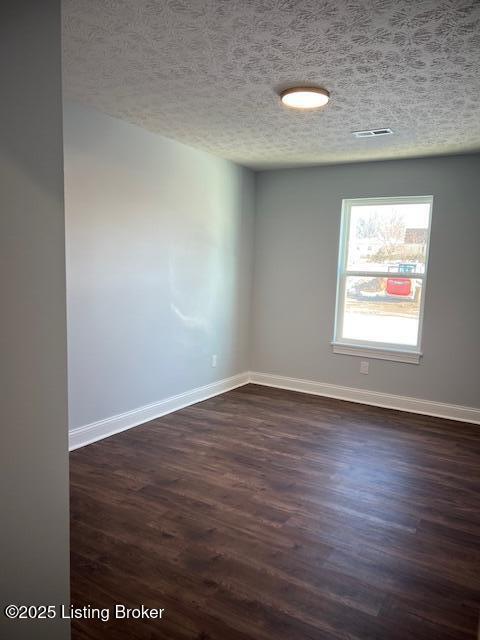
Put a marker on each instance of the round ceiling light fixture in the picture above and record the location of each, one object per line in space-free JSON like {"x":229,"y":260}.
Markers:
{"x":305,"y":97}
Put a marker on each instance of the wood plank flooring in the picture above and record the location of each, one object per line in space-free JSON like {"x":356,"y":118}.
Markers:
{"x":265,"y":514}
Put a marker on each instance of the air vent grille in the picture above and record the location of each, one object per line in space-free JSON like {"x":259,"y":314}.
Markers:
{"x":371,"y":133}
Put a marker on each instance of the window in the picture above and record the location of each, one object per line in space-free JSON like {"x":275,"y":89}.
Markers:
{"x":382,"y":274}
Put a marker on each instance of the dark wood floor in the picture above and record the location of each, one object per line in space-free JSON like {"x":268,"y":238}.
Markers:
{"x":271,"y":515}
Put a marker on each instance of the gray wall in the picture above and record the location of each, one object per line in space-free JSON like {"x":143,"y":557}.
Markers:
{"x":159,"y":265}
{"x":33,"y":405}
{"x":296,"y":239}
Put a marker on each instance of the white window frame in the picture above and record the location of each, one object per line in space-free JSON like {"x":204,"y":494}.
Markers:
{"x":365,"y":348}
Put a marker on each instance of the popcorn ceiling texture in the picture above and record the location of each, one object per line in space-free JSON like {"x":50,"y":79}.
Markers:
{"x":206,"y":72}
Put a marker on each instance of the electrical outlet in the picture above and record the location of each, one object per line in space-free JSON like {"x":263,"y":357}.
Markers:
{"x":214,"y":360}
{"x":364,"y":366}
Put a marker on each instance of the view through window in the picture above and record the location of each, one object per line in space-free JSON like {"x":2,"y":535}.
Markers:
{"x":382,"y":272}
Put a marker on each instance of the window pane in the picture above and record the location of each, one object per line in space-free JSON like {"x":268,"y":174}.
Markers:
{"x":388,"y":237}
{"x":382,"y":309}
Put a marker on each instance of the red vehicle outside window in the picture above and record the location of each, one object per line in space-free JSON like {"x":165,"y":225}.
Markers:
{"x":399,"y":286}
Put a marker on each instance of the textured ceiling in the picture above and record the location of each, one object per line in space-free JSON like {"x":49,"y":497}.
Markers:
{"x":206,"y":72}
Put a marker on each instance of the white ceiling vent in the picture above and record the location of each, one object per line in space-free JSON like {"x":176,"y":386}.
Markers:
{"x":370,"y":133}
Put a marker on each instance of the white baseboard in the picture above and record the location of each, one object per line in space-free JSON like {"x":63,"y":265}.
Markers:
{"x":81,"y":436}
{"x":89,"y":433}
{"x":375,"y":398}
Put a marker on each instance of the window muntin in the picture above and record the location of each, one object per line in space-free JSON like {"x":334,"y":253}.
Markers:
{"x":382,"y":272}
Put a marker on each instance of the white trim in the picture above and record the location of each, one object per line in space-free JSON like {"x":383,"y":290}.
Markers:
{"x":379,"y":353}
{"x":378,"y":200}
{"x":81,"y":436}
{"x":411,"y":275}
{"x":374,"y":398}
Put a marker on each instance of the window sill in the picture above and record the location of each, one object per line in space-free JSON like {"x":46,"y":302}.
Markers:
{"x":380,"y":353}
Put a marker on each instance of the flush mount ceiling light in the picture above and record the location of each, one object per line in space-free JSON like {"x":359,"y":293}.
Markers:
{"x":305,"y":97}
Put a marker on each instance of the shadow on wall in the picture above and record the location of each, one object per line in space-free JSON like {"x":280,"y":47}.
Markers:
{"x":206,"y":274}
